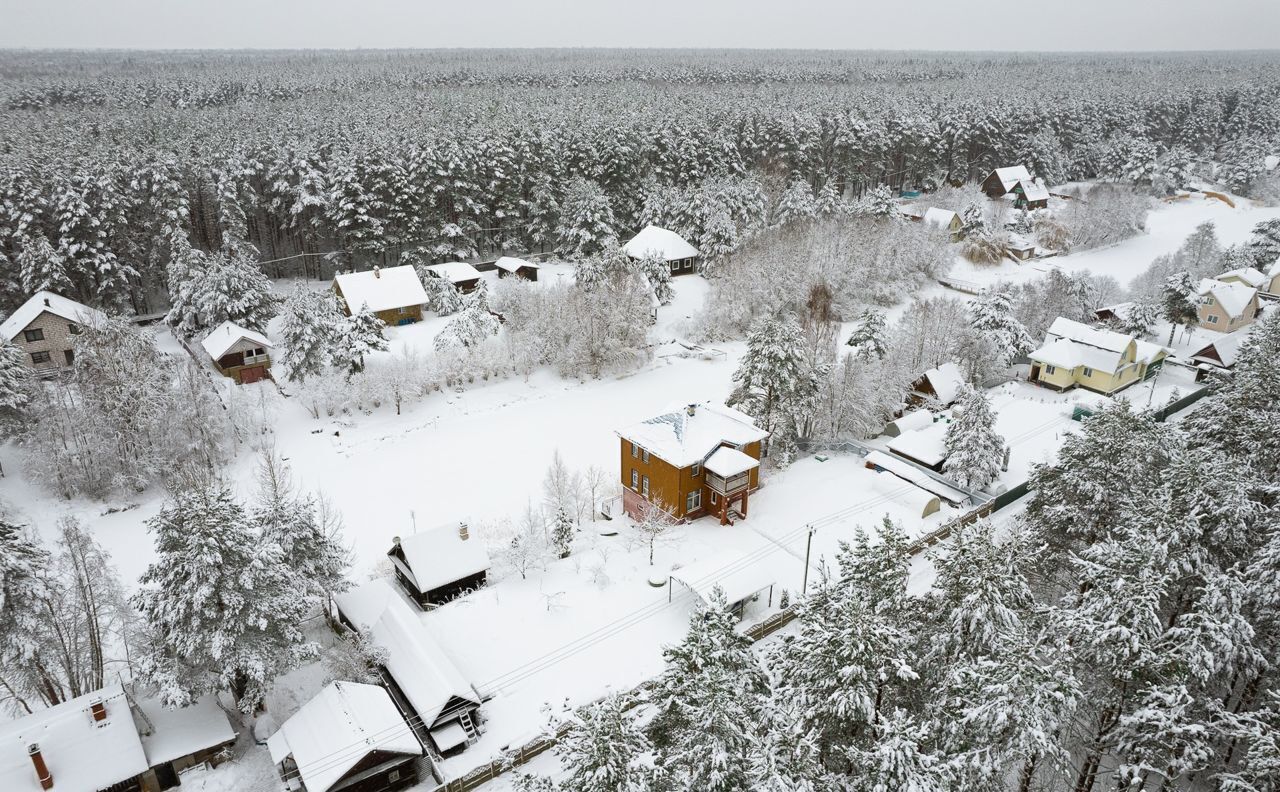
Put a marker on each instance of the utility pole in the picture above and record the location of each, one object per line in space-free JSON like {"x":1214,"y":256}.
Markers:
{"x":808,"y":545}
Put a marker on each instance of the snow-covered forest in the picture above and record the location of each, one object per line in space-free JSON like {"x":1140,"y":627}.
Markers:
{"x":113,"y":163}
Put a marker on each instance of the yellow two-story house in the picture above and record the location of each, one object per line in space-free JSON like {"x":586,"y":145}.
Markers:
{"x":1077,"y":355}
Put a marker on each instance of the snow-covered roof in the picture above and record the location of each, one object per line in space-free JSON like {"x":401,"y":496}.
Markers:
{"x":417,"y":662}
{"x":450,"y":735}
{"x":1012,"y":175}
{"x":652,"y":239}
{"x":1227,"y":348}
{"x":736,"y":580}
{"x":1274,"y":269}
{"x":1233,"y":297}
{"x":55,"y":304}
{"x":511,"y":264}
{"x":682,"y":439}
{"x":182,"y":732}
{"x":1070,"y":344}
{"x":1019,"y":242}
{"x":1068,"y":354}
{"x":454,"y":271}
{"x":82,"y":754}
{"x":729,"y":462}
{"x":1084,"y":334}
{"x":440,"y":556}
{"x":1248,"y":275}
{"x":381,"y":289}
{"x":902,"y":492}
{"x":1119,"y":310}
{"x":942,"y":218}
{"x":946,"y":380}
{"x":228,"y":334}
{"x":908,"y":472}
{"x":1034,"y":190}
{"x":927,"y":446}
{"x":912,"y":420}
{"x":337,"y":729}
{"x":364,"y":604}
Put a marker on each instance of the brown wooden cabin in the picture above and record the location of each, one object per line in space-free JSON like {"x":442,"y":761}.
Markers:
{"x":439,"y":565}
{"x":239,"y":353}
{"x":394,"y":294}
{"x":692,"y":461}
{"x":464,"y":277}
{"x":672,"y":248}
{"x":1001,"y":181}
{"x":508,"y":266}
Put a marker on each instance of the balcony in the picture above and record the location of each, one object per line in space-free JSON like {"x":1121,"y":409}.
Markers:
{"x":729,"y":486}
{"x":253,"y":360}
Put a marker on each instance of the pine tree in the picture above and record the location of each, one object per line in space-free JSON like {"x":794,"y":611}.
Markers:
{"x":472,"y":325}
{"x":21,"y":564}
{"x":775,"y":385}
{"x":42,"y":268}
{"x":604,"y":750}
{"x":828,"y":200}
{"x":15,"y":382}
{"x":562,"y":529}
{"x":975,"y":452}
{"x":658,"y":273}
{"x":868,"y":336}
{"x":1180,"y":302}
{"x":308,"y":532}
{"x":309,"y":322}
{"x":362,"y":333}
{"x":222,"y":609}
{"x":587,"y":224}
{"x":1263,"y":248}
{"x":442,"y":296}
{"x":1140,"y":317}
{"x":207,"y":289}
{"x":797,"y":203}
{"x":992,"y":318}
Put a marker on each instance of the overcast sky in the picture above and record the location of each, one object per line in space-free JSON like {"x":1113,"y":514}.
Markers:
{"x":1028,"y":25}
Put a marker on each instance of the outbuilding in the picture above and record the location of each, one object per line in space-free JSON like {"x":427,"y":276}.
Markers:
{"x":1001,"y":181}
{"x":438,"y":565}
{"x":463,"y":276}
{"x":941,"y":384}
{"x":508,"y":266}
{"x":667,"y":245}
{"x":239,"y":353}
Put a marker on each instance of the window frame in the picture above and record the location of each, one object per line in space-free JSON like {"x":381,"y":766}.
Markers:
{"x":697,"y":469}
{"x":715,"y":498}
{"x":693,"y":501}
{"x":33,"y":334}
{"x":644,"y":455}
{"x":1088,"y":372}
{"x":635,"y":480}
{"x":1051,"y":370}
{"x":36,"y":358}
{"x":635,"y":451}
{"x":1212,"y":318}
{"x":73,"y":328}
{"x":644,"y":486}
{"x":69,"y":355}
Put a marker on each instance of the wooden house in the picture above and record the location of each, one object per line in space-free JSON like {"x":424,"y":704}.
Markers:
{"x":1272,"y":287}
{"x":690,"y":461}
{"x":1225,"y":306}
{"x":667,"y":245}
{"x":941,"y":384}
{"x":944,"y":219}
{"x":239,"y":353}
{"x":1020,"y":248}
{"x":438,"y":565}
{"x":463,"y":276}
{"x":1114,"y":314}
{"x":423,"y":680}
{"x":394,"y":294}
{"x":105,"y":741}
{"x":508,"y":266}
{"x":45,"y":328}
{"x":1001,"y":181}
{"x":1030,"y":194}
{"x":925,"y":446}
{"x":1220,"y":353}
{"x":1103,"y":361}
{"x":349,"y":737}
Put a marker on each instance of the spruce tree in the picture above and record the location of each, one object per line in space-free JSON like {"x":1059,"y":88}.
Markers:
{"x":587,"y":224}
{"x":15,"y":381}
{"x":1180,"y":302}
{"x":362,"y":333}
{"x":309,"y":322}
{"x":222,"y":609}
{"x":775,"y":384}
{"x":868,"y":334}
{"x":975,"y":452}
{"x":472,"y":325}
{"x":604,"y":750}
{"x":562,"y":532}
{"x":992,"y":318}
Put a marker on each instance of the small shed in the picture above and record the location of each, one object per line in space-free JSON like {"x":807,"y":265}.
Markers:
{"x":394,"y":294}
{"x":944,"y":219}
{"x":739,"y":585}
{"x":239,"y":353}
{"x":941,"y":384}
{"x":508,"y":266}
{"x":438,"y":565}
{"x":921,"y":502}
{"x":1030,"y":194}
{"x":667,"y":245}
{"x":916,"y":419}
{"x":1020,"y":248}
{"x":1220,"y":353}
{"x":350,"y":736}
{"x":925,"y":446}
{"x":879,"y":460}
{"x":462,"y":275}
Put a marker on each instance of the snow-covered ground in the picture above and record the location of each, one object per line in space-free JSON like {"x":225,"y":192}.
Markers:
{"x":592,"y":623}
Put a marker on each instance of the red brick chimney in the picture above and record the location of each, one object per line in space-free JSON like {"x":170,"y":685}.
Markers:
{"x":463,"y":533}
{"x":99,"y":711}
{"x":42,"y":769}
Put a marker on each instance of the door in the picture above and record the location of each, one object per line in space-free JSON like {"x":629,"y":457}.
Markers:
{"x":166,"y":776}
{"x":253,"y":374}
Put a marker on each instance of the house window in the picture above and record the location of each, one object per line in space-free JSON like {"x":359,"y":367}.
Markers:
{"x":697,"y":468}
{"x":635,"y":479}
{"x":714,"y":498}
{"x":393,"y":776}
{"x":39,"y":357}
{"x":33,"y":335}
{"x":644,"y":485}
{"x":73,"y":328}
{"x":1050,"y":370}
{"x":1213,"y":319}
{"x":635,"y":451}
{"x":70,"y":355}
{"x":694,"y":501}
{"x":1088,"y":372}
{"x":645,"y":454}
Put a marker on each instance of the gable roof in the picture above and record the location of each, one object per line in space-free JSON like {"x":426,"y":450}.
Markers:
{"x":55,"y":304}
{"x":82,"y":755}
{"x":1070,"y":344}
{"x":418,"y":664}
{"x":1012,"y":175}
{"x":729,"y":462}
{"x":227,"y":335}
{"x":1233,"y":297}
{"x":381,"y":289}
{"x":653,"y":239}
{"x":945,"y":380}
{"x":1226,"y":347}
{"x":941,"y":218}
{"x":511,"y":264}
{"x":1034,"y":190}
{"x":1249,"y":275}
{"x":363,"y":604}
{"x":454,"y":271}
{"x":927,"y":445}
{"x":440,"y":556}
{"x":337,"y":729}
{"x":682,"y":439}
{"x":183,"y":731}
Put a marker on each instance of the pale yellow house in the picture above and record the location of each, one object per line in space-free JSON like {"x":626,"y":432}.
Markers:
{"x":1077,"y":355}
{"x":1272,"y":286}
{"x":1226,"y":306}
{"x":1245,"y":276}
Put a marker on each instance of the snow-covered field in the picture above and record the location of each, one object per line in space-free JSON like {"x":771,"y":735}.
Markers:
{"x":591,"y":623}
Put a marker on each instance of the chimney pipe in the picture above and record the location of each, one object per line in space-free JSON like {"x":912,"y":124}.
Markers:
{"x":42,"y":769}
{"x":99,"y":711}
{"x":395,"y":541}
{"x":463,"y":533}
{"x":691,"y":409}
{"x":46,"y":302}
